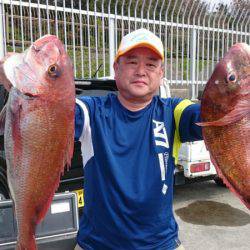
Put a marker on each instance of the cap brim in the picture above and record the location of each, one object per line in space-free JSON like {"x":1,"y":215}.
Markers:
{"x":139,"y":45}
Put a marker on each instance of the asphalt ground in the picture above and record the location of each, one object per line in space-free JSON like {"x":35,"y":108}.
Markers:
{"x":210,"y":217}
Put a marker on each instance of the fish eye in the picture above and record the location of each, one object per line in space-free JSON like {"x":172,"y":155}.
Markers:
{"x":232,"y":78}
{"x":52,"y":70}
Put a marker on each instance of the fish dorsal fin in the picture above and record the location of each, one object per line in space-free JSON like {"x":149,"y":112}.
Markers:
{"x":241,"y":110}
{"x":2,"y":120}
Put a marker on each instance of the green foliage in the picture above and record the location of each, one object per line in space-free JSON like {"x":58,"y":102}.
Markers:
{"x":185,"y":11}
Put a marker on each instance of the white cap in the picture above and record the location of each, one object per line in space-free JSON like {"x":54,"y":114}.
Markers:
{"x":140,"y":38}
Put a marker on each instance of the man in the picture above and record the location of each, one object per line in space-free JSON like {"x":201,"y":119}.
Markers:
{"x":129,"y":146}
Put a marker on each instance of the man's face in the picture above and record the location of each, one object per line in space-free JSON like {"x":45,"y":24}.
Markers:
{"x":138,"y":74}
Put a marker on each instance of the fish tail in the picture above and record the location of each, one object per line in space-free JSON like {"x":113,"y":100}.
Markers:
{"x":26,"y":234}
{"x":28,"y":244}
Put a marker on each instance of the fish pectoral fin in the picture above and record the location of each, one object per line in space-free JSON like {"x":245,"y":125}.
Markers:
{"x":2,"y":120}
{"x":240,"y":111}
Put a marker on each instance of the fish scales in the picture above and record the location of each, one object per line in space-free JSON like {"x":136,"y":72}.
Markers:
{"x":40,"y":159}
{"x":231,"y":141}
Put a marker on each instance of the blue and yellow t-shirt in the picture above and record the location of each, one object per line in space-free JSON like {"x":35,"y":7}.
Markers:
{"x":128,"y":160}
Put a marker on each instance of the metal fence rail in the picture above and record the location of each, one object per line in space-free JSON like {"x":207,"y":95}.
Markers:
{"x":195,"y":34}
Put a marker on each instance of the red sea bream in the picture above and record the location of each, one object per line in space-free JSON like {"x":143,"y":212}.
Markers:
{"x":225,"y":112}
{"x":39,"y":129}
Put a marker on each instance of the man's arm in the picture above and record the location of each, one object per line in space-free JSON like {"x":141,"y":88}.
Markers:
{"x":186,"y":115}
{"x":188,"y":129}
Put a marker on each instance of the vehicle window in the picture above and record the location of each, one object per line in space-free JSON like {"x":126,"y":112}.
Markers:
{"x":95,"y":92}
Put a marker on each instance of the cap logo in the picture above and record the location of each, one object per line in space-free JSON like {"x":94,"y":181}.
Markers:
{"x":139,"y":38}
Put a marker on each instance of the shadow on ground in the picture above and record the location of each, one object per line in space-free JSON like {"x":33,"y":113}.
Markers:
{"x":213,"y":213}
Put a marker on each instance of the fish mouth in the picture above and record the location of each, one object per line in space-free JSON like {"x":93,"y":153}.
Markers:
{"x":29,"y":96}
{"x":23,"y":95}
{"x":39,"y":44}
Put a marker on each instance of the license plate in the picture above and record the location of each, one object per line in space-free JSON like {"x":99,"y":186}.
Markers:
{"x":80,"y":200}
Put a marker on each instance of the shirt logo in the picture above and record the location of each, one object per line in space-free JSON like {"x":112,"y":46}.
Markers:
{"x":161,"y":139}
{"x":160,"y":134}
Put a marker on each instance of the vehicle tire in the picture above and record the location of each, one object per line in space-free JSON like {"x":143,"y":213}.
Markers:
{"x":4,"y":190}
{"x":219,"y":181}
